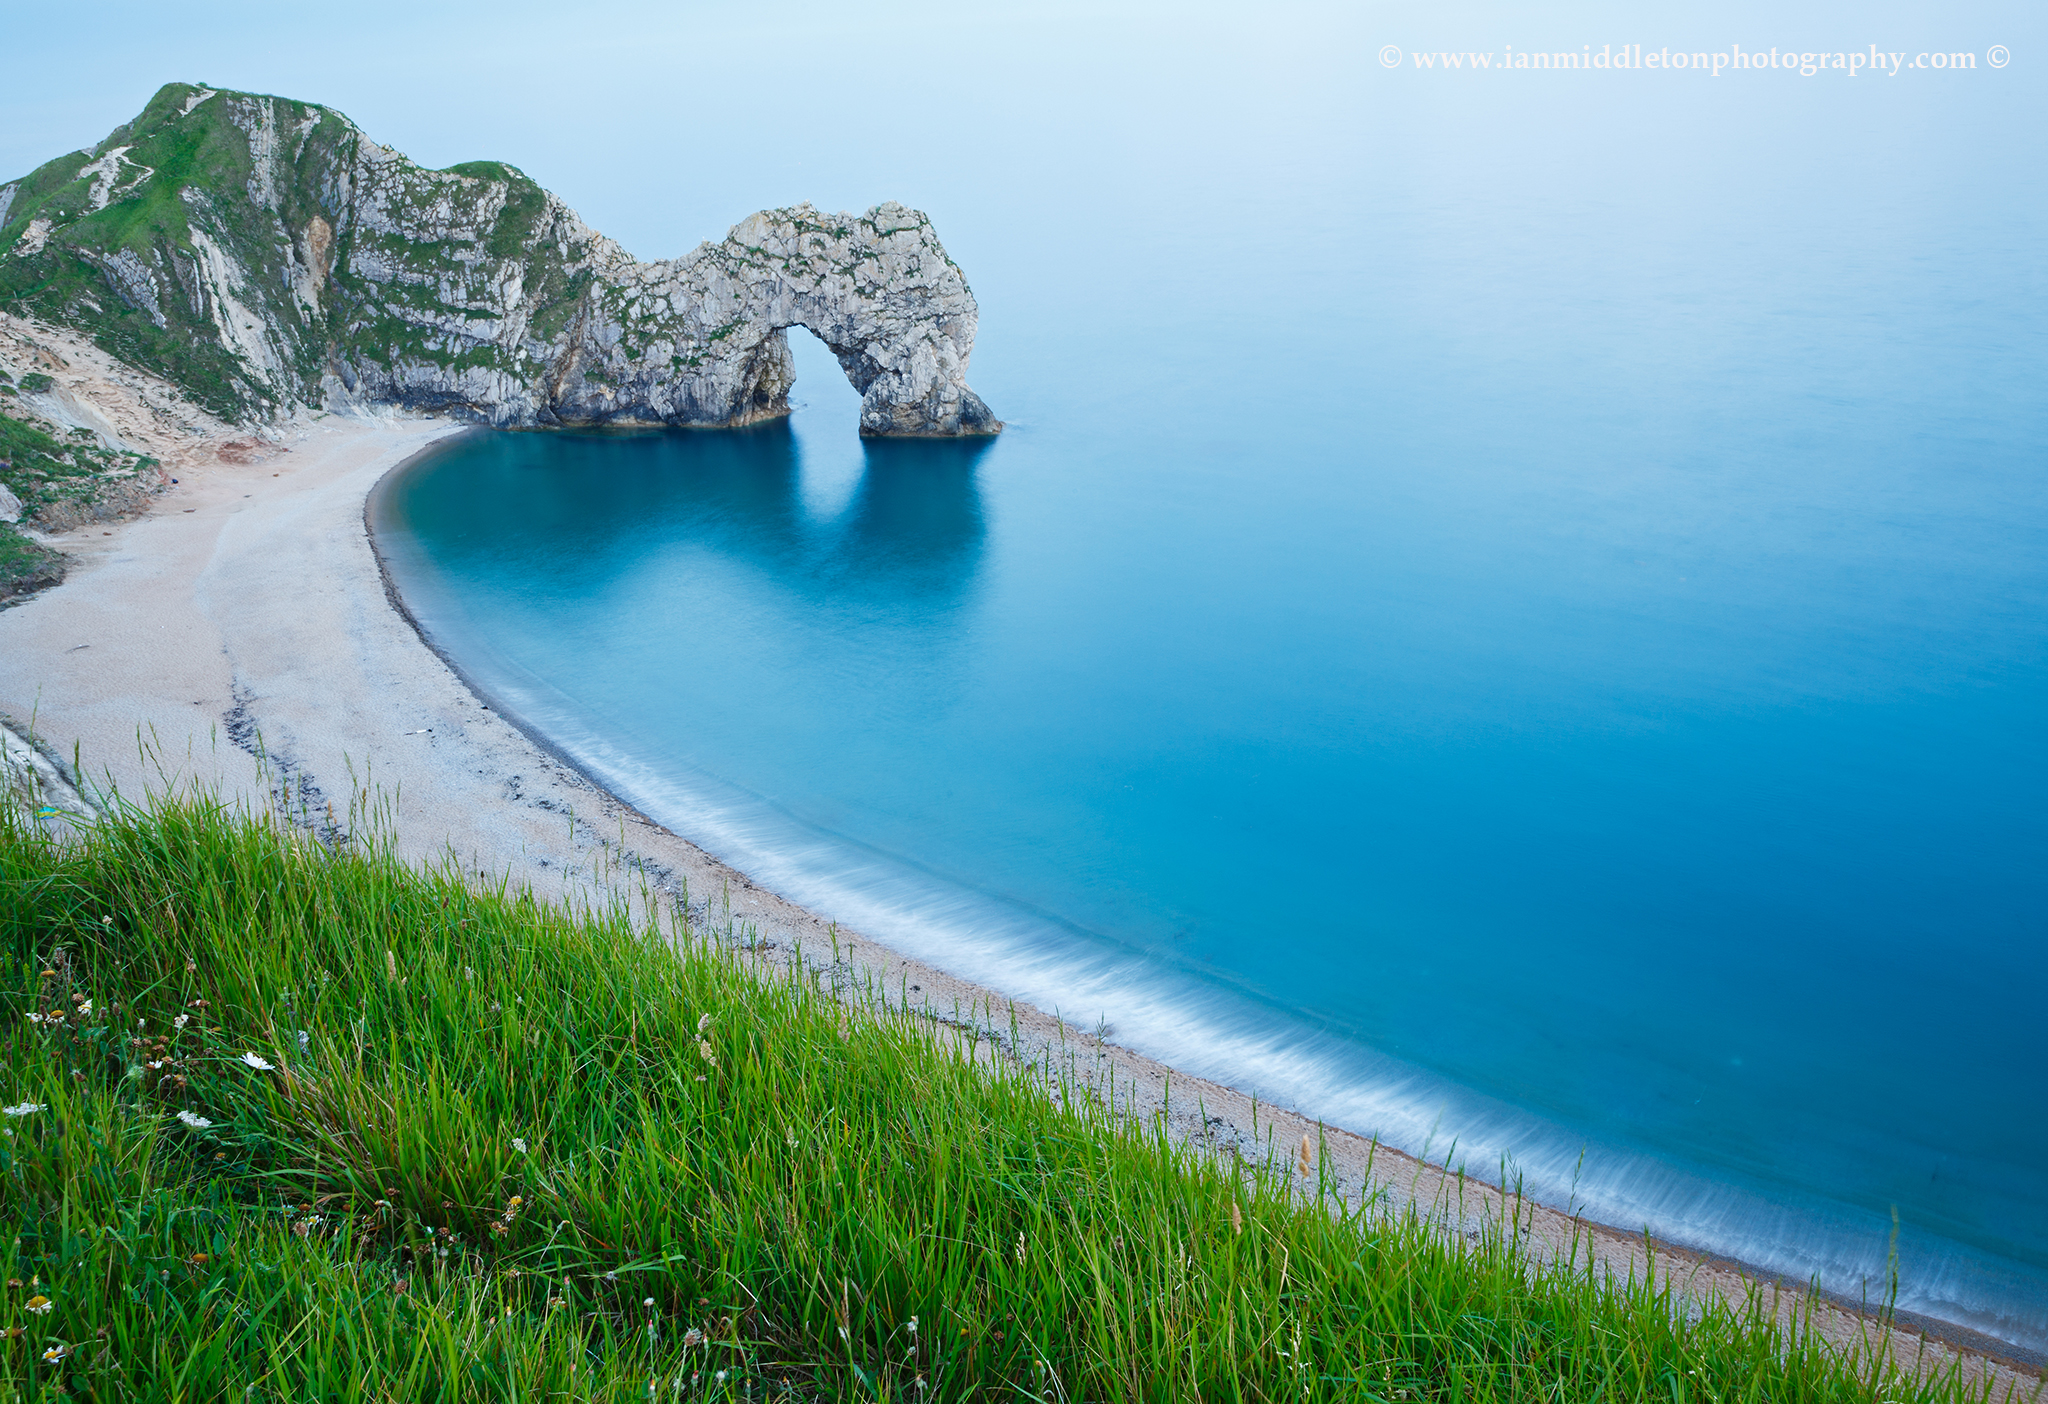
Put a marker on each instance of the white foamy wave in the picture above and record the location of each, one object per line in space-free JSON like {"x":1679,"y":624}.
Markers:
{"x":1218,"y":1034}
{"x":1214,"y":1032}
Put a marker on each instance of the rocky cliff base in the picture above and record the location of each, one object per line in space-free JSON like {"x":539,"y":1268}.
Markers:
{"x":267,"y":257}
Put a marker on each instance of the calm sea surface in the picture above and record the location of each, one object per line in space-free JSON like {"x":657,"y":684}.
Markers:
{"x":1544,"y":660}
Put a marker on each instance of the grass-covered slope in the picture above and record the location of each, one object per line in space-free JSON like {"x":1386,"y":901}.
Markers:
{"x":54,"y":473}
{"x":59,"y":479}
{"x":244,"y":246}
{"x":284,"y":1124}
{"x":115,"y":254}
{"x":25,"y":565}
{"x":31,"y":461}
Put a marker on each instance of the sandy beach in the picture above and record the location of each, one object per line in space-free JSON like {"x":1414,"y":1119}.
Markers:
{"x":240,"y":635}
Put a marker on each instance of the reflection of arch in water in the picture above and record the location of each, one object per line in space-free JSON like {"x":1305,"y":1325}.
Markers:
{"x":590,"y":504}
{"x":914,"y":525}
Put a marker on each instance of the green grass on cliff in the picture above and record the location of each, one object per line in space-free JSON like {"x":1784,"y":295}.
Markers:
{"x":290,"y":1124}
{"x":132,"y":274}
{"x":25,"y":565}
{"x":66,"y":283}
{"x":60,"y":481}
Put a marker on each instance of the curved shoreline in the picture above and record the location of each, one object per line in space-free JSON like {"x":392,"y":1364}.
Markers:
{"x":314,"y":652}
{"x":378,"y":511}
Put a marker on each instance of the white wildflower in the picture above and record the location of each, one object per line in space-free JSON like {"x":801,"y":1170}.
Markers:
{"x":197,"y":1123}
{"x":304,"y":1039}
{"x":259,"y":1063}
{"x":24,"y":1108}
{"x":177,"y":1023}
{"x":519,"y":1145}
{"x":39,"y":1305}
{"x":85,"y":1008}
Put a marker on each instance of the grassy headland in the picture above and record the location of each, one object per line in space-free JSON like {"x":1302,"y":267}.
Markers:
{"x":287,"y":1123}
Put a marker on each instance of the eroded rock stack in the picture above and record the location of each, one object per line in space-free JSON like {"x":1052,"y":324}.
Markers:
{"x":268,"y":256}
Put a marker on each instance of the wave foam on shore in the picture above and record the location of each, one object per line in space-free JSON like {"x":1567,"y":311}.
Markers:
{"x":1211,"y":1031}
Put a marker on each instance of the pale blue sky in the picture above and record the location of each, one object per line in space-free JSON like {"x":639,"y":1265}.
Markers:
{"x":663,"y":124}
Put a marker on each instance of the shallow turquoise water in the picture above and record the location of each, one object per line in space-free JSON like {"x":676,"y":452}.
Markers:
{"x":1517,"y":660}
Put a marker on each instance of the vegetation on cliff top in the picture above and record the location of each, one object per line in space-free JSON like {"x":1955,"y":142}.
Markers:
{"x":180,"y":242}
{"x":141,"y":211}
{"x":287,"y":1123}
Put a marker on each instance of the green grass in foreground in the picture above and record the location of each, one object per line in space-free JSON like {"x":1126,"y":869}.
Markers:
{"x":319,"y":1126}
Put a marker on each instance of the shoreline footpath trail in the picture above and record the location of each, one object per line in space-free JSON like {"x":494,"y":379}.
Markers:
{"x":246,"y":612}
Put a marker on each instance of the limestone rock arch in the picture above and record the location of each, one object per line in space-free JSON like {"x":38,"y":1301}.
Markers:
{"x":702,"y":339}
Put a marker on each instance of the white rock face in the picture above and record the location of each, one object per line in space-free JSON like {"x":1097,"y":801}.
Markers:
{"x":563,"y":326}
{"x":10,"y":505}
{"x":700,"y":339}
{"x":329,"y":271}
{"x":35,"y":781}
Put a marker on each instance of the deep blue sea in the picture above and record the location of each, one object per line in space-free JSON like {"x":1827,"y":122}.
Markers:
{"x":1512,"y":620}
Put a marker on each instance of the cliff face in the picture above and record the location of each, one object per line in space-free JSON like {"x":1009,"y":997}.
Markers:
{"x":268,"y":256}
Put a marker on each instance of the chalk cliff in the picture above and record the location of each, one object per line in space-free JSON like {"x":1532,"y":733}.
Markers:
{"x":267,"y":256}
